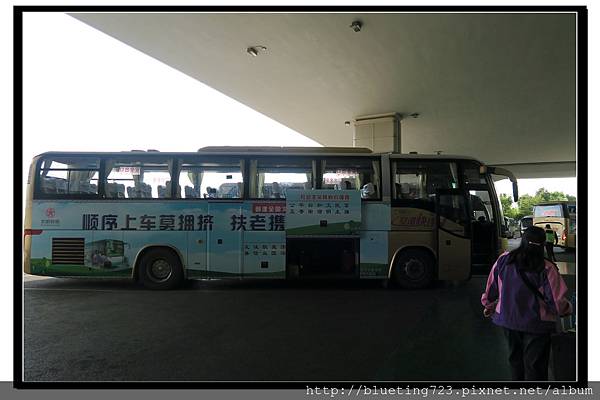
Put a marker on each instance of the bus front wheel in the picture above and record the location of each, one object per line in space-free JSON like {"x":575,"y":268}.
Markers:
{"x":160,"y":269}
{"x":413,"y":269}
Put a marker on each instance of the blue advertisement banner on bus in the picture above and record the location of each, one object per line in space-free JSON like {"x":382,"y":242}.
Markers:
{"x":222,"y":238}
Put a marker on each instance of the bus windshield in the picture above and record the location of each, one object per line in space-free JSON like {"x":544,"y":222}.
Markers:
{"x":551,"y":210}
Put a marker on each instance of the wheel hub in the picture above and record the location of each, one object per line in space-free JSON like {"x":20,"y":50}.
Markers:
{"x":414,"y":269}
{"x":160,"y":271}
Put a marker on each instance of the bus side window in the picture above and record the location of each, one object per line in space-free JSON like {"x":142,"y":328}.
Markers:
{"x":408,"y":186}
{"x":69,"y":176}
{"x":272,"y":177}
{"x":137,"y":179}
{"x":420,"y":180}
{"x":211,"y":178}
{"x":352,"y":174}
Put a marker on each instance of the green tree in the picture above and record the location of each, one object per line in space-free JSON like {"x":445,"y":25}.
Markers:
{"x":507,"y":208}
{"x":526,"y":203}
{"x":544,"y":195}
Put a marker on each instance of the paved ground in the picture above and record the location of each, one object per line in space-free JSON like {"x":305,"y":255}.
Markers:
{"x":258,"y":330}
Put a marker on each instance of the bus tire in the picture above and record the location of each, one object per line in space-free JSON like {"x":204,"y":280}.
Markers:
{"x":160,"y":269}
{"x":413,"y":269}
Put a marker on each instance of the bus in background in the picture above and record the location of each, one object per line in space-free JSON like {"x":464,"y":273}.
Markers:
{"x":525,"y":223}
{"x":240,"y":212}
{"x":562,"y":218}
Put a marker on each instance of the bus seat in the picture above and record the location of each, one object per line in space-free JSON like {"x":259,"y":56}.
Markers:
{"x":147,"y":191}
{"x":61,"y":185}
{"x":93,"y":188}
{"x":190,"y":193}
{"x":162,"y":191}
{"x":140,"y":190}
{"x":405,"y":190}
{"x":48,"y":185}
{"x":120,"y":190}
{"x":110,"y":189}
{"x":137,"y":191}
{"x":346,"y":185}
{"x":84,"y":187}
{"x":275,"y":190}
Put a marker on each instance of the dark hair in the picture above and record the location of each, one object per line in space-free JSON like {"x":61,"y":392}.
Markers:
{"x":529,"y":256}
{"x":548,"y":226}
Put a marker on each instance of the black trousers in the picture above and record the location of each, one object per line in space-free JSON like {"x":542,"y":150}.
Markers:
{"x":550,"y":251}
{"x":529,"y":354}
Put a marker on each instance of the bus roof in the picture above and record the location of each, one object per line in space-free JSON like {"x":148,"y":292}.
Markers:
{"x":256,"y":150}
{"x":281,"y":149}
{"x":546,"y":203}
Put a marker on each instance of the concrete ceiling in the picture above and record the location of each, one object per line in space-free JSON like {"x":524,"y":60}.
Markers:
{"x":499,"y":87}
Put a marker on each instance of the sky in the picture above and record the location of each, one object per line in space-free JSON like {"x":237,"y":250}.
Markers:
{"x":86,"y":91}
{"x":530,"y":186}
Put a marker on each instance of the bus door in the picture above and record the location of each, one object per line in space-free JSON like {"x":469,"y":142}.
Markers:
{"x":224,"y":258}
{"x":483,"y":228}
{"x":454,"y":235}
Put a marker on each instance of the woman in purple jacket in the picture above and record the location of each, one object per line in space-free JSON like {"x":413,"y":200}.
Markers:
{"x":528,"y":318}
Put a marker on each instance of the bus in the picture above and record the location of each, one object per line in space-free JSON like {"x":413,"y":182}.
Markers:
{"x":285,"y":213}
{"x":562,"y":218}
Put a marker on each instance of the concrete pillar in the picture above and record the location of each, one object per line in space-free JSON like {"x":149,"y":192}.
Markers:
{"x":380,"y":133}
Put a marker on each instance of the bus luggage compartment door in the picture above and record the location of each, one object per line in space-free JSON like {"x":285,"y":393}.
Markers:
{"x":225,"y":240}
{"x":454,"y":242}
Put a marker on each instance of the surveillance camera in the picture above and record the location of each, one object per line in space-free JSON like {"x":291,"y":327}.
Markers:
{"x":356,"y":26}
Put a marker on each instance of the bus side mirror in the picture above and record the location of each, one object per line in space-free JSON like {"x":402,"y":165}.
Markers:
{"x":515,"y":192}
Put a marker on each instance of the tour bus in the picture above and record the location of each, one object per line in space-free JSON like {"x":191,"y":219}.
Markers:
{"x":562,"y":218}
{"x":288,"y":213}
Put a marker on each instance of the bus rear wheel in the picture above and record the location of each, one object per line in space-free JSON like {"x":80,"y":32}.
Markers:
{"x":160,"y":269}
{"x":413,"y":269}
